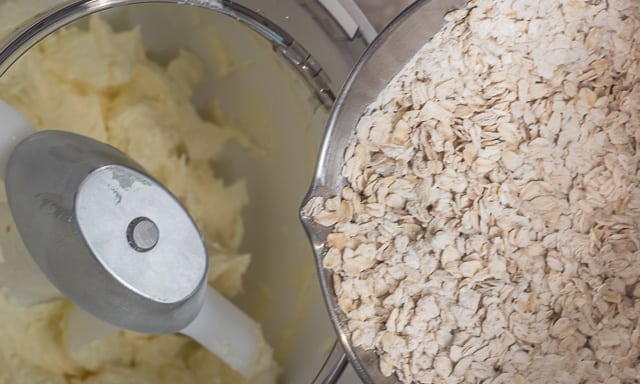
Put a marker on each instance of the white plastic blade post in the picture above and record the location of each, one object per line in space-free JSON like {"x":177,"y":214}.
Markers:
{"x":20,"y":277}
{"x":13,"y":129}
{"x":220,"y":327}
{"x":82,"y":328}
{"x":227,"y":332}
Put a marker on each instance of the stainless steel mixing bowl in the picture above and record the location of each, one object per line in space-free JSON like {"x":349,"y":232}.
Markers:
{"x":386,"y":56}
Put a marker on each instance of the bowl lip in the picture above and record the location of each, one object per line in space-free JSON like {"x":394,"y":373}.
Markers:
{"x":365,"y":363}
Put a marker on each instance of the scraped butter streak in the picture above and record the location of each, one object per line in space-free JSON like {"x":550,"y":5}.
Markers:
{"x":99,"y":83}
{"x":211,"y":4}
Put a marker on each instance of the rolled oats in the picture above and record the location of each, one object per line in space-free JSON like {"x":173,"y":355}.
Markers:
{"x":491,"y":227}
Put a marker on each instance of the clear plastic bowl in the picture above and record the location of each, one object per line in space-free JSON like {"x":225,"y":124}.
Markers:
{"x":282,"y":97}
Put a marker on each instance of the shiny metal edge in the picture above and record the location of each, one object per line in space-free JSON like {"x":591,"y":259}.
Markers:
{"x":31,"y":32}
{"x":333,"y":367}
{"x":396,"y":45}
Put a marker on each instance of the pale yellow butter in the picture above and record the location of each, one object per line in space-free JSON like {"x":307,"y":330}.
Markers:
{"x":100,"y":84}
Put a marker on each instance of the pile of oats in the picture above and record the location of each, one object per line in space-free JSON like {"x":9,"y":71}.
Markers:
{"x":490,"y":230}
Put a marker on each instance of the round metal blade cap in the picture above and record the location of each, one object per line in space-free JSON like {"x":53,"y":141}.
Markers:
{"x":140,"y":234}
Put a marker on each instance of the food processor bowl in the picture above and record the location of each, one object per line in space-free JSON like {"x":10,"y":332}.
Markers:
{"x":272,"y":89}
